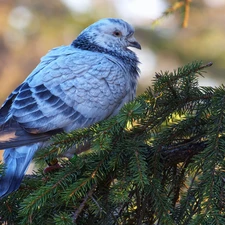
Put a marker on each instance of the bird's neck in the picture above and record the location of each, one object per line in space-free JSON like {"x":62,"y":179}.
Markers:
{"x":127,"y":56}
{"x":85,"y":44}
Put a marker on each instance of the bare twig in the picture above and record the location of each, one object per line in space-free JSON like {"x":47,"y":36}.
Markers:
{"x":206,"y":65}
{"x":80,"y":208}
{"x":177,"y":5}
{"x":186,"y":13}
{"x":178,"y":154}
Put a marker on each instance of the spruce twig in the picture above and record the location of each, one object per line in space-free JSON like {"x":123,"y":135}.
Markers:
{"x":82,"y":205}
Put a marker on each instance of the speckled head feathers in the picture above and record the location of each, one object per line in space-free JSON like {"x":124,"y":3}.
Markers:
{"x":108,"y":25}
{"x":111,"y":34}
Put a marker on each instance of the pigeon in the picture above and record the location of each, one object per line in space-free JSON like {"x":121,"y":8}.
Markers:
{"x":72,"y":87}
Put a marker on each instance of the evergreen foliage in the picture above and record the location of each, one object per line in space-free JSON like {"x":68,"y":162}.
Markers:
{"x":159,"y":161}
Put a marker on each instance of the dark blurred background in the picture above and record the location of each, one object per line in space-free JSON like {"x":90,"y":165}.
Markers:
{"x":28,"y":29}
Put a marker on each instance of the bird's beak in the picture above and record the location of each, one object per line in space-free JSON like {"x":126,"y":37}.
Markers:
{"x":132,"y":42}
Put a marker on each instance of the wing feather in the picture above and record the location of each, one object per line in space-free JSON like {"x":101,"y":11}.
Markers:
{"x":69,"y":89}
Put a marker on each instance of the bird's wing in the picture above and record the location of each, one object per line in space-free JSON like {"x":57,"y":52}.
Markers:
{"x":4,"y":111}
{"x":71,"y":89}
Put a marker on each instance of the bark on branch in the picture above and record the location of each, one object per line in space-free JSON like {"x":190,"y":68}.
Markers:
{"x":177,"y":154}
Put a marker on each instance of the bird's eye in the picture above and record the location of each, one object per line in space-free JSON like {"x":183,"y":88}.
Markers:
{"x":117,"y":33}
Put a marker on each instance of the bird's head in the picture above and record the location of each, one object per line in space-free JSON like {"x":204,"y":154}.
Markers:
{"x":110,"y":34}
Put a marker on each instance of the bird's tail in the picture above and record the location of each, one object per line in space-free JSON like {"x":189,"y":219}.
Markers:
{"x":16,"y":161}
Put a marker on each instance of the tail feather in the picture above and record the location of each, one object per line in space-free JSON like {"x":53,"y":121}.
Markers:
{"x":16,"y":161}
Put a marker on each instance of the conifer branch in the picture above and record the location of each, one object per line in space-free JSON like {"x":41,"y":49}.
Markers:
{"x":159,"y":161}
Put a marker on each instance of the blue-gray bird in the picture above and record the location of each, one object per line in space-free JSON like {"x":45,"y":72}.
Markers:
{"x":73,"y":87}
